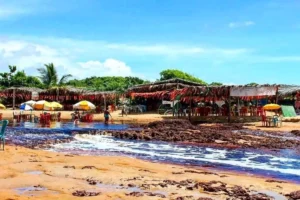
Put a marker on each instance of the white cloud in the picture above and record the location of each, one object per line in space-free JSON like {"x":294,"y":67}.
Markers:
{"x":110,"y":67}
{"x":30,"y":56}
{"x":241,"y":24}
{"x":173,"y":50}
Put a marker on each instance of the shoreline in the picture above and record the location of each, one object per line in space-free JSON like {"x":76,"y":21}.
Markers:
{"x":64,"y":174}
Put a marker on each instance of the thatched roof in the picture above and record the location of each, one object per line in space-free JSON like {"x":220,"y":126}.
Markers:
{"x":99,"y":92}
{"x":170,"y":84}
{"x":286,"y":90}
{"x":23,"y":89}
{"x":64,"y":90}
{"x":217,"y":91}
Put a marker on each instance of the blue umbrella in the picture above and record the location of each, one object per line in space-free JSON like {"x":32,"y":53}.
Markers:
{"x":25,"y":107}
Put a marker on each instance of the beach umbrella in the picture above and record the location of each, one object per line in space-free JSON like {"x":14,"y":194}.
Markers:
{"x":39,"y":105}
{"x":272,"y":107}
{"x":84,"y":105}
{"x":24,"y":106}
{"x":2,"y":106}
{"x":30,"y":103}
{"x":52,"y":106}
{"x":56,"y":105}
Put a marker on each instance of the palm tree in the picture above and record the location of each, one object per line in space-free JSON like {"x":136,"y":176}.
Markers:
{"x":49,"y":76}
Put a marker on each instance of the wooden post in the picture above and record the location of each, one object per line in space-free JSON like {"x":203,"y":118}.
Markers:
{"x":190,"y":110}
{"x":104,"y":101}
{"x":173,"y":108}
{"x":276,"y":95}
{"x":238,"y":106}
{"x":229,"y":107}
{"x":57,"y":93}
{"x":14,"y":97}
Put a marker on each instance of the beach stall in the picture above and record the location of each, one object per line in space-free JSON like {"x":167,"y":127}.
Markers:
{"x":14,"y":96}
{"x":68,"y":96}
{"x":289,"y":98}
{"x":241,"y":102}
{"x":153,"y":95}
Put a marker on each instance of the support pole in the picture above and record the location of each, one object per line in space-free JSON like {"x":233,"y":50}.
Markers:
{"x":238,"y":106}
{"x":276,"y":95}
{"x":229,"y":107}
{"x":14,"y":97}
{"x":190,"y":109}
{"x":104,"y":101}
{"x":173,"y":108}
{"x":57,"y":94}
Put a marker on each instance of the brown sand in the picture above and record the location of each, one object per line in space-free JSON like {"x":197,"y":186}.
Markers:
{"x":116,"y":116}
{"x":17,"y":163}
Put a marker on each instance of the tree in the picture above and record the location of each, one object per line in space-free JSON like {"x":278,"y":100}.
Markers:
{"x":216,"y":84}
{"x":252,"y":84}
{"x":107,"y":83}
{"x":49,"y":76}
{"x":6,"y":77}
{"x":174,"y":73}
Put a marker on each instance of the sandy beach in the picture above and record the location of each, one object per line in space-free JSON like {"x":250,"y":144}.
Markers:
{"x":57,"y":175}
{"x":150,"y":117}
{"x":40,"y":174}
{"x":66,"y":115}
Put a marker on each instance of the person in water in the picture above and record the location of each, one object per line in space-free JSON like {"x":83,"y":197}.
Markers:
{"x":106,"y":116}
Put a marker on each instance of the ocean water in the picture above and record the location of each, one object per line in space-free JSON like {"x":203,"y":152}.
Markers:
{"x":283,"y":165}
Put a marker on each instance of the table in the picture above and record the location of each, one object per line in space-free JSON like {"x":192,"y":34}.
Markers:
{"x":18,"y":117}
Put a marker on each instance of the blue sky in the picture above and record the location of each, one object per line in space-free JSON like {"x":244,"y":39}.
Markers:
{"x":233,"y":41}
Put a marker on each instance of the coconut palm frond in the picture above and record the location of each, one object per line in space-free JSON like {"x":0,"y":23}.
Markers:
{"x":64,"y":79}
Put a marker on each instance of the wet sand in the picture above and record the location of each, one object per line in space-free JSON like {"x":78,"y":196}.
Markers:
{"x":58,"y":175}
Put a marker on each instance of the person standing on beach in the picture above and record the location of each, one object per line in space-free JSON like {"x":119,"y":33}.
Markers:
{"x":106,"y":116}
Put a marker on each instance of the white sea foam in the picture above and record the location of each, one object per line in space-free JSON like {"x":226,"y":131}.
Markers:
{"x":188,"y":154}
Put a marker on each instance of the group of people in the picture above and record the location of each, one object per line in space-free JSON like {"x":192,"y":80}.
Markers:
{"x":76,"y":116}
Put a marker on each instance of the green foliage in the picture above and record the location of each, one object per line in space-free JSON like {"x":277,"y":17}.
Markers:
{"x":174,"y":73}
{"x":49,"y":76}
{"x":216,"y":84}
{"x":107,"y":83}
{"x":252,"y":84}
{"x":18,"y":78}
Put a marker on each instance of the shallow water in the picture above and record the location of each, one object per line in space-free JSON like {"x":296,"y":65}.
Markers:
{"x":33,"y":191}
{"x":284,"y":165}
{"x":273,"y":194}
{"x":66,"y":127}
{"x":34,"y":172}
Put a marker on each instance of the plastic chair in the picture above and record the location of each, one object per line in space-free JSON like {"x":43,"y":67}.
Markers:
{"x":42,"y":118}
{"x":58,"y":116}
{"x":90,"y":118}
{"x":277,"y":121}
{"x":2,"y":133}
{"x":265,"y":121}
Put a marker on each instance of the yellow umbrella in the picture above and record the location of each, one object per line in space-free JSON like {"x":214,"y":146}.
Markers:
{"x":84,"y":105}
{"x":40,"y":105}
{"x":272,"y":107}
{"x":2,"y":106}
{"x":56,"y":105}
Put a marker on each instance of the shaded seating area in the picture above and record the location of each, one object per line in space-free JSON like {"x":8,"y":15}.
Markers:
{"x":227,"y":102}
